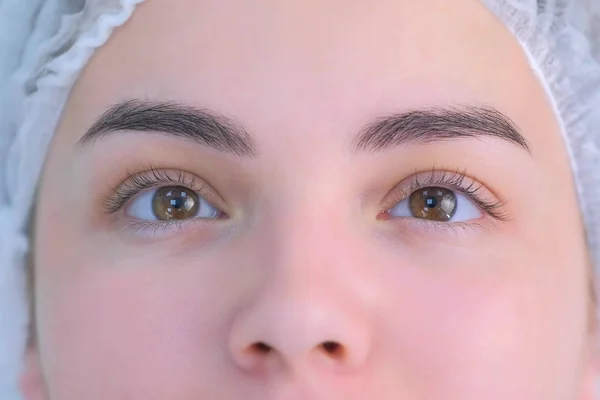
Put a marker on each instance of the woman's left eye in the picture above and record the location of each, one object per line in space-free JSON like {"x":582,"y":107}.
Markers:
{"x":171,"y":203}
{"x":437,"y":204}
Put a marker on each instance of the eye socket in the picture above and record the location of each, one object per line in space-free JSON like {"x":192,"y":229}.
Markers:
{"x":171,"y":203}
{"x":437,"y":204}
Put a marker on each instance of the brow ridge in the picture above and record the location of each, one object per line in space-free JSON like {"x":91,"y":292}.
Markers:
{"x":438,"y":124}
{"x":185,"y":122}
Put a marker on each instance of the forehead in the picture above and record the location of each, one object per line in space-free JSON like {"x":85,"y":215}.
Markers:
{"x":286,"y":65}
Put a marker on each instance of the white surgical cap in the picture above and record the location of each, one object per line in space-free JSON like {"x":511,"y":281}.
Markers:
{"x":44,"y":44}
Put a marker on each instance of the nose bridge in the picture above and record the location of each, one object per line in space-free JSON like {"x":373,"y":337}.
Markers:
{"x":311,"y":224}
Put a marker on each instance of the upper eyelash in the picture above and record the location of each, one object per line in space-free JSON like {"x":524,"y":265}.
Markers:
{"x":455,"y":181}
{"x":133,"y":184}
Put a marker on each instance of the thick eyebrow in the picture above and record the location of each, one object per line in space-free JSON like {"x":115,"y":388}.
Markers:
{"x":173,"y":119}
{"x":438,"y":124}
{"x":224,"y":134}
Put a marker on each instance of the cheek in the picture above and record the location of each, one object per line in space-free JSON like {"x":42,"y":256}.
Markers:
{"x":498,"y":329}
{"x":131,"y":325}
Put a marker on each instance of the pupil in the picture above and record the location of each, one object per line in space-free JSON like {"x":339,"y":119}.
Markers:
{"x":431,"y":202}
{"x":177,"y":203}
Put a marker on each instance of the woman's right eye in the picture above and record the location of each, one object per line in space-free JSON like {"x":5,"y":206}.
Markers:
{"x":171,"y":203}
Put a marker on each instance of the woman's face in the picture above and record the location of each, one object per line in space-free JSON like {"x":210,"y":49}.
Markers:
{"x":310,"y":200}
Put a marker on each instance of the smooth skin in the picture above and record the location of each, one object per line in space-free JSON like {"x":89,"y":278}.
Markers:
{"x":303,"y":291}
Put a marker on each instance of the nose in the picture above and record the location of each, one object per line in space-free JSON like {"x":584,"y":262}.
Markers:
{"x":300,"y":323}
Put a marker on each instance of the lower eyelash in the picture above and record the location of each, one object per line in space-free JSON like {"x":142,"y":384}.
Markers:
{"x":154,"y":227}
{"x":454,"y":227}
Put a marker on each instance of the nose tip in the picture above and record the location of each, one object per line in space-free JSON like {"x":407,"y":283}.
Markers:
{"x":261,"y":338}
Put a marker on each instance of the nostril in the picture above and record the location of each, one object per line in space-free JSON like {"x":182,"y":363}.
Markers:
{"x":261,"y":347}
{"x":333,"y":348}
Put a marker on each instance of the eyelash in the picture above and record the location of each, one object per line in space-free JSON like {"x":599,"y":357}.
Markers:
{"x":452,"y":181}
{"x":136,"y":183}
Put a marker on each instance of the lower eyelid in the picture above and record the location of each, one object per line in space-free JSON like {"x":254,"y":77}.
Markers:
{"x":162,"y":230}
{"x":142,"y":226}
{"x":438,"y":231}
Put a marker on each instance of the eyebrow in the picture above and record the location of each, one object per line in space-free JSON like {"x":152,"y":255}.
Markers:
{"x":224,"y":134}
{"x":176,"y":120}
{"x":439,"y":124}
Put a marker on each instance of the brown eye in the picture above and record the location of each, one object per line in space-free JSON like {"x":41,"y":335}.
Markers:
{"x":433,"y":203}
{"x":175,"y":203}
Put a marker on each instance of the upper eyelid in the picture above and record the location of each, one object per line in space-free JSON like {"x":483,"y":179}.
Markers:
{"x":455,"y":180}
{"x":154,"y":178}
{"x":432,"y":178}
